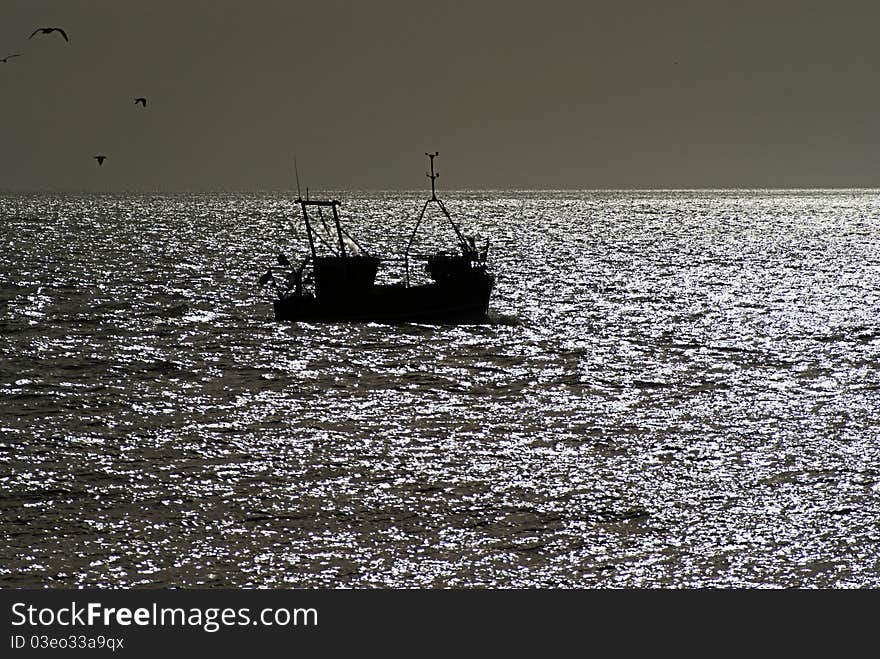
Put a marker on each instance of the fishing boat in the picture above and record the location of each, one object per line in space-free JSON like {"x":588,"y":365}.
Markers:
{"x":338,"y":283}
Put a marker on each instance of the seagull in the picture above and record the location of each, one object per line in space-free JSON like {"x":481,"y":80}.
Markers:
{"x":3,"y":59}
{"x":100,"y":159}
{"x":49,"y":30}
{"x":141,"y":100}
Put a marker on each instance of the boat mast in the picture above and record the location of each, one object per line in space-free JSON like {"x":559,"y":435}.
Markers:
{"x":312,"y":233}
{"x":308,"y":227}
{"x":433,"y":176}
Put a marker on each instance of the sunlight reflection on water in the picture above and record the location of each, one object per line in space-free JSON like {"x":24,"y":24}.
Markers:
{"x":677,"y":389}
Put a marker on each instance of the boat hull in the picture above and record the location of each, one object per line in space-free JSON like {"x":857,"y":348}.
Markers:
{"x":464,"y":303}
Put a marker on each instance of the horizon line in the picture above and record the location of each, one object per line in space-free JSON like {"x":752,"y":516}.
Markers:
{"x":5,"y":191}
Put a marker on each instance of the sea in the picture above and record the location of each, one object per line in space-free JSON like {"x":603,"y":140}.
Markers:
{"x":675,"y":389}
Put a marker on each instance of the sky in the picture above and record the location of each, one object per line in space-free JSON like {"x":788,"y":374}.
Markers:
{"x":513,"y":95}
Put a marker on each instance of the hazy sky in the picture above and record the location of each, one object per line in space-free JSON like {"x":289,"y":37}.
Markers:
{"x":646,"y":94}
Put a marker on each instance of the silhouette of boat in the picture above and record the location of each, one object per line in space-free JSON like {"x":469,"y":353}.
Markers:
{"x":343,"y":278}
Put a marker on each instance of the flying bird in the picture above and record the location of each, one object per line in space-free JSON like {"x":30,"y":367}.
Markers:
{"x":100,"y":159}
{"x":49,"y":30}
{"x":3,"y":59}
{"x":141,"y":100}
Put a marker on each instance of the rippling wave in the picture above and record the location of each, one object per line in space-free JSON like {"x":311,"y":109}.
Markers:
{"x":678,"y":389}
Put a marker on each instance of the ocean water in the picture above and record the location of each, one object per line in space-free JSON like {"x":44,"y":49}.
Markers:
{"x":677,"y":389}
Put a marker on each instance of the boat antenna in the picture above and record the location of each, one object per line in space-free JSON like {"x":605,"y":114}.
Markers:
{"x":296,"y":171}
{"x":432,"y":175}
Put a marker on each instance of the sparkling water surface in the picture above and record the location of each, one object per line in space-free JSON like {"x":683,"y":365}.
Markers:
{"x":677,"y":389}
